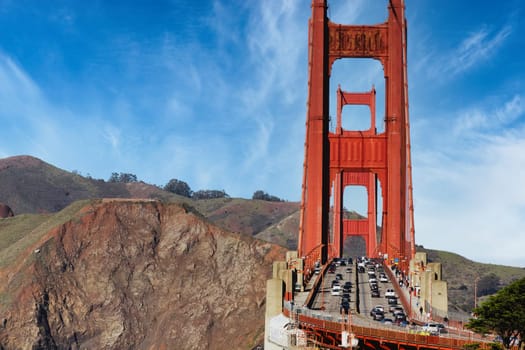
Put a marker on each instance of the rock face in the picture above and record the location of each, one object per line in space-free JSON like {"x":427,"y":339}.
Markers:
{"x":125,"y":274}
{"x":5,"y":211}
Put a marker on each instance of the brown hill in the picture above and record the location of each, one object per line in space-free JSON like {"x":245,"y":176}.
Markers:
{"x":461,"y":275}
{"x":29,"y":185}
{"x":121,"y":274}
{"x":250,"y":217}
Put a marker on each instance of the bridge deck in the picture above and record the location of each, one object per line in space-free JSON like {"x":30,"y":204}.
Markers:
{"x":324,"y":322}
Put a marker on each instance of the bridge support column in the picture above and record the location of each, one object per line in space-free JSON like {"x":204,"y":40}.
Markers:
{"x":274,"y":307}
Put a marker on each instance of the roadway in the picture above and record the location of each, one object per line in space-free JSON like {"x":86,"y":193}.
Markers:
{"x":360,"y":292}
{"x":327,"y":306}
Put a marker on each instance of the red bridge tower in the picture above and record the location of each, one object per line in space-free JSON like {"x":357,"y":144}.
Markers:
{"x":342,"y":158}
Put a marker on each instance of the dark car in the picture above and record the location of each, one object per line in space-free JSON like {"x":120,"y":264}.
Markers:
{"x":378,"y":316}
{"x":392,"y":301}
{"x":375,"y":310}
{"x":396,"y":309}
{"x":345,"y":307}
{"x":375,"y":294}
{"x":400,"y":318}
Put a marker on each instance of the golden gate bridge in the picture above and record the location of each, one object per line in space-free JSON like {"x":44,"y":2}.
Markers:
{"x":297,"y":314}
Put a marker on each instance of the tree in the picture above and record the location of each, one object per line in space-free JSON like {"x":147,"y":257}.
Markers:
{"x":122,"y":177}
{"x":265,"y":196}
{"x":502,"y":313}
{"x":178,"y":187}
{"x":210,"y":194}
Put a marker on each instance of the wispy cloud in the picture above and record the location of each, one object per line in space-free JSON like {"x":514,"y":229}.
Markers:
{"x":478,"y":119}
{"x":468,"y":186}
{"x":477,"y":47}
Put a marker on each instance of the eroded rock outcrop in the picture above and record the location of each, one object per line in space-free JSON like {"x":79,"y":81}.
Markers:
{"x":126,"y":274}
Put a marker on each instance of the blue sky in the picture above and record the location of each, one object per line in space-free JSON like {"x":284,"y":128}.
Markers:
{"x":214,"y":93}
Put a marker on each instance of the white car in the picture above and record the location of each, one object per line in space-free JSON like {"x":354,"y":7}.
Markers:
{"x":383,"y":278}
{"x":380,"y":308}
{"x":336,"y":291}
{"x":390,"y":293}
{"x":432,"y":328}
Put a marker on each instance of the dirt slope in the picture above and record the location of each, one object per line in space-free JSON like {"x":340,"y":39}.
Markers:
{"x":29,"y":185}
{"x":128,"y":274}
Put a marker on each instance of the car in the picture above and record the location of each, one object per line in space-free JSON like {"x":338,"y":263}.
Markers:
{"x":378,"y":316}
{"x":345,"y":300}
{"x":375,"y":294}
{"x":339,"y":277}
{"x":392,"y":301}
{"x":298,"y":287}
{"x":432,"y":328}
{"x":396,"y":309}
{"x":346,"y":295}
{"x":372,"y":280}
{"x":344,"y":308}
{"x":374,"y":286}
{"x":379,"y":307}
{"x":348,"y":284}
{"x":383,"y":278}
{"x":361,"y":269}
{"x":349,"y":270}
{"x":442,"y":328}
{"x":334,"y":282}
{"x":336,"y":292}
{"x":400,"y":318}
{"x":376,"y":309}
{"x":317,"y":270}
{"x":342,"y":263}
{"x":390,"y":293}
{"x":387,"y":321}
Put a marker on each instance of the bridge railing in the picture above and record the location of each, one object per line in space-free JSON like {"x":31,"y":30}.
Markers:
{"x":325,"y":323}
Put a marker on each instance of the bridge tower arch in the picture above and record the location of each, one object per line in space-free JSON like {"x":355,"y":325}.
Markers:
{"x":334,"y":160}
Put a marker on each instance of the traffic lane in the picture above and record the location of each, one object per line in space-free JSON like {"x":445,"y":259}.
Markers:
{"x":368,"y":302}
{"x":324,"y":300}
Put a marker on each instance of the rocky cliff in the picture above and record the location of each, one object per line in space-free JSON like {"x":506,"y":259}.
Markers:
{"x":132,"y":274}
